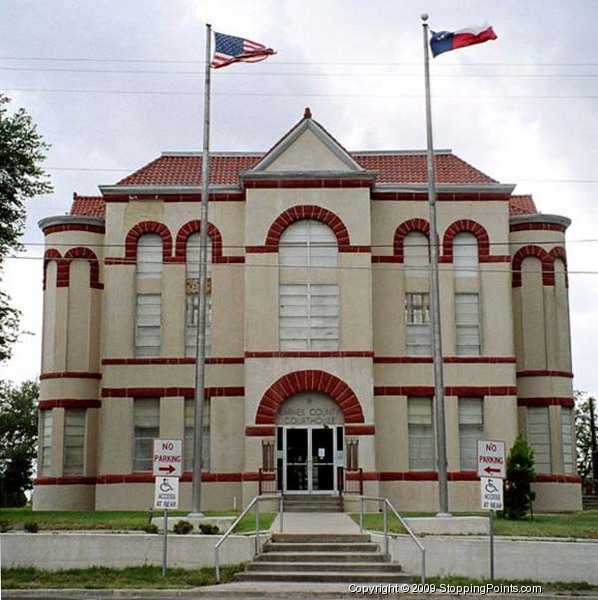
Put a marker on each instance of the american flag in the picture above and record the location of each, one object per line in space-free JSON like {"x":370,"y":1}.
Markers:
{"x":231,"y":49}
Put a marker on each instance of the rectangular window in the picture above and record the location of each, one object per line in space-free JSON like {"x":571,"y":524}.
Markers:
{"x":417,"y":322}
{"x":191,"y":316}
{"x":467,"y":324}
{"x":471,"y":429}
{"x":45,"y":456}
{"x":148,"y":334}
{"x":74,"y":441}
{"x":539,"y":437}
{"x":205,"y":434}
{"x":309,"y":316}
{"x":146,"y":427}
{"x":149,"y":256}
{"x":567,"y":431}
{"x":421,"y":434}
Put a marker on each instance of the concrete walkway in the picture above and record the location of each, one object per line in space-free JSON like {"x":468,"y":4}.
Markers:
{"x":299,"y":522}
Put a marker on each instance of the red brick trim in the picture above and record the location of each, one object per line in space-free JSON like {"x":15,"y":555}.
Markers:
{"x":70,"y":480}
{"x":446,"y":359}
{"x":256,"y":431}
{"x":360,"y":430}
{"x":215,"y":238}
{"x":68,"y":403}
{"x":300,"y":212}
{"x":557,"y":478}
{"x":559,"y":253}
{"x":402,"y":231}
{"x":465,"y":226}
{"x":71,"y":375}
{"x":311,"y":354}
{"x":428,"y":391}
{"x":303,"y":381}
{"x":94,"y":265}
{"x":195,"y":198}
{"x":160,"y":392}
{"x":138,"y":230}
{"x":554,"y":401}
{"x":74,"y":227}
{"x":187,"y":360}
{"x":62,"y":267}
{"x":534,"y":252}
{"x":440,"y":196}
{"x":306,"y":183}
{"x":544,"y":373}
{"x":118,"y":260}
{"x":538,"y":227}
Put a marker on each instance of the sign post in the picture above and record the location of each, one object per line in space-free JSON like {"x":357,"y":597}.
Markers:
{"x":491,"y":471}
{"x":167,"y":468}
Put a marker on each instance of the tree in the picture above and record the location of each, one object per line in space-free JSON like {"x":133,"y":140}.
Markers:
{"x":22,"y":150}
{"x":520,"y":474}
{"x":583,"y":434}
{"x":18,"y":440}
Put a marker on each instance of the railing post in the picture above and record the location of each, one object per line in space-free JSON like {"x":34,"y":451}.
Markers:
{"x":217,"y":564}
{"x":257,"y":527}
{"x":385,"y":518}
{"x":361,"y":514}
{"x":361,"y":480}
{"x":424,"y":565}
{"x":259,"y":481}
{"x":281,"y":512}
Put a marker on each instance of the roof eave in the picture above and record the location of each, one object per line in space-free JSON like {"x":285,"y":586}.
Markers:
{"x":157,"y":190}
{"x":450,"y":188}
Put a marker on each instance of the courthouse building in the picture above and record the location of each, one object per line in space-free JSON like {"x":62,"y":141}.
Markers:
{"x":319,"y":370}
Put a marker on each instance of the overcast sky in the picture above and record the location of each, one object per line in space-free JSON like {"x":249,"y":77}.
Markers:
{"x":112,"y":84}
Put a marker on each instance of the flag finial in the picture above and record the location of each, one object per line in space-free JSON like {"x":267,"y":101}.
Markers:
{"x":424,"y":17}
{"x":307,"y":113}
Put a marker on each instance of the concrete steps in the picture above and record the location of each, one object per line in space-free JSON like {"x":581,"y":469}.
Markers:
{"x":311,"y":503}
{"x":590,"y":502}
{"x":323,"y":558}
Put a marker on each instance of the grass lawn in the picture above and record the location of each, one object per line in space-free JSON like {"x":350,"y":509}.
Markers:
{"x":582,"y":525}
{"x":109,"y":520}
{"x":147,"y":577}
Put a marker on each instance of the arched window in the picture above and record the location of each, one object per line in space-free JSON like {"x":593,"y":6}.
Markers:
{"x":308,"y":299}
{"x":308,"y":243}
{"x":192,"y":295}
{"x":148,"y":313}
{"x":465,"y":255}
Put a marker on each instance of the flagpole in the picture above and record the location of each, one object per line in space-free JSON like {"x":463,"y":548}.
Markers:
{"x":435,"y":294}
{"x":200,"y":356}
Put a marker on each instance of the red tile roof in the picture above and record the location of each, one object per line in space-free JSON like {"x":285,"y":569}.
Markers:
{"x":88,"y":206}
{"x":392,"y":168}
{"x":522,"y":205}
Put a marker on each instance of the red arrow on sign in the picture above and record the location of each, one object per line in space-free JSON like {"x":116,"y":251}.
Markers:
{"x":168,"y":468}
{"x":491,"y":470}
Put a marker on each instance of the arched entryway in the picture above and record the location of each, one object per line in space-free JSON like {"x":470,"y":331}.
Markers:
{"x":310,"y":444}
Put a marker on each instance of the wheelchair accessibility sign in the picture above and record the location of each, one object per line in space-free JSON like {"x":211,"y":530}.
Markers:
{"x":492,"y":493}
{"x":166,"y":494}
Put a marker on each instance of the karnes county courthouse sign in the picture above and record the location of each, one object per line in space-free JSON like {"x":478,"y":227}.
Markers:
{"x":308,"y":409}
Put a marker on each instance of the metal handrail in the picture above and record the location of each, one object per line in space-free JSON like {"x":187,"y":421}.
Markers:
{"x":386,"y":504}
{"x":255,"y":502}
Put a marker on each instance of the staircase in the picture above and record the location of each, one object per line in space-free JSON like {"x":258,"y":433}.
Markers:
{"x":311,"y":503}
{"x":590,"y":502}
{"x":323,"y":558}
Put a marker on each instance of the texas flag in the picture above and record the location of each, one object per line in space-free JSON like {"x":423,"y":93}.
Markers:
{"x":443,"y":41}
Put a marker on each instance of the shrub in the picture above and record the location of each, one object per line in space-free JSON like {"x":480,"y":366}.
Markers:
{"x":150,"y":528}
{"x":209,"y":529}
{"x":4,"y":526}
{"x":30,"y":527}
{"x":520,"y":474}
{"x":183,"y":527}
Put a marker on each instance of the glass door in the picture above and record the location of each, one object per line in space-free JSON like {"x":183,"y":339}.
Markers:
{"x":322,"y":460}
{"x":296,"y":459}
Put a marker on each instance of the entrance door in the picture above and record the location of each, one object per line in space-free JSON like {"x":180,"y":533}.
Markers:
{"x":309,"y":465}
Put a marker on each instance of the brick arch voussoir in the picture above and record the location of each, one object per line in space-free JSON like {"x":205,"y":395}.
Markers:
{"x":532,"y":251}
{"x":80,"y":252}
{"x":403,"y":230}
{"x":188,"y":229}
{"x":138,"y":230}
{"x":61,"y":266}
{"x":465,"y":226}
{"x":559,"y":253}
{"x":308,"y":381}
{"x":300,"y":212}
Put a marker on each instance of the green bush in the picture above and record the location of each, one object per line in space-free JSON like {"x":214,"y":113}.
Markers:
{"x":183,"y":527}
{"x":4,"y":526}
{"x":30,"y":527}
{"x":520,"y":474}
{"x":150,"y":528}
{"x":209,"y":529}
